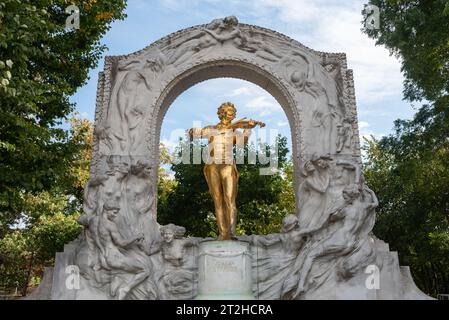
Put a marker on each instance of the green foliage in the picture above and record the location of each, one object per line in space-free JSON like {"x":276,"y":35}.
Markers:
{"x":409,"y":170}
{"x":165,"y":184}
{"x":418,"y":33}
{"x":25,"y":252}
{"x":14,"y":260}
{"x":47,"y":219}
{"x":262,"y":201}
{"x":44,"y":168}
{"x":41,"y":65}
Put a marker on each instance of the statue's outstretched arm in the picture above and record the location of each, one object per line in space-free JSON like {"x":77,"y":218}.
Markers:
{"x":267,"y":240}
{"x":120,"y":241}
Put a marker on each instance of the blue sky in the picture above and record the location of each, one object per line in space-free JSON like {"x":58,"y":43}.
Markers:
{"x":332,"y":26}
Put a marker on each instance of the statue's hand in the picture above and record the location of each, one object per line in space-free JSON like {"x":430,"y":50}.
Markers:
{"x":252,"y":123}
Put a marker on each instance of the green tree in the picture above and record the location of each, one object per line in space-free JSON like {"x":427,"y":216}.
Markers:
{"x":417,"y":33}
{"x":41,"y":65}
{"x":165,"y":184}
{"x":413,"y":215}
{"x":47,"y":218}
{"x":261,"y":202}
{"x":409,"y":169}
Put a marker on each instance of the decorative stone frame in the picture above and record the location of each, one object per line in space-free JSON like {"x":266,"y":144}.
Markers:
{"x":228,"y":60}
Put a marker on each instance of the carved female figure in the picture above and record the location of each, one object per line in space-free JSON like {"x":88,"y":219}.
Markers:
{"x":130,"y":104}
{"x":178,"y":279}
{"x":312,"y":191}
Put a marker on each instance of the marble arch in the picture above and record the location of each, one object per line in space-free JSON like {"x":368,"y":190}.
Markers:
{"x":315,"y":89}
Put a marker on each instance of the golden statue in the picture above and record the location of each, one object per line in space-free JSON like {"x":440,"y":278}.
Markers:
{"x":220,"y":169}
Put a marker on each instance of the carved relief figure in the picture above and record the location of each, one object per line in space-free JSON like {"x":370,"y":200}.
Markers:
{"x":364,"y":251}
{"x":275,"y":263}
{"x":343,"y":173}
{"x":229,"y":30}
{"x":322,"y":126}
{"x":196,"y":43}
{"x":114,"y":255}
{"x":307,"y":75}
{"x":139,"y":195}
{"x":121,"y":129}
{"x":178,"y":278}
{"x":299,"y":69}
{"x":117,"y":171}
{"x":344,"y":132}
{"x":312,"y":192}
{"x":139,"y":191}
{"x":110,"y":256}
{"x":131,"y":106}
{"x":340,"y":235}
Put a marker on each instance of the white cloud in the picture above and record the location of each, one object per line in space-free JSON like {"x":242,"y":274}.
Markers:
{"x":261,"y":102}
{"x":240,"y":91}
{"x":264,"y":104}
{"x":173,"y":141}
{"x":216,"y":87}
{"x":208,"y":118}
{"x":363,"y":125}
{"x":365,"y":132}
{"x":335,"y":26}
{"x":324,"y":25}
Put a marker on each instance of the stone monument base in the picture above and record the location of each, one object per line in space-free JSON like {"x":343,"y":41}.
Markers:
{"x":224,"y":271}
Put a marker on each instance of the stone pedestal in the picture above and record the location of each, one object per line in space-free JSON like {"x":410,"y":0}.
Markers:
{"x":224,"y":271}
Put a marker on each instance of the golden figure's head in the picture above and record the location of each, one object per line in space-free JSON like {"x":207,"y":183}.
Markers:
{"x":226,"y":112}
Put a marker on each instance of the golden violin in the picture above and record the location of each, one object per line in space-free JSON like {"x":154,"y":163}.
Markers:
{"x":246,"y":124}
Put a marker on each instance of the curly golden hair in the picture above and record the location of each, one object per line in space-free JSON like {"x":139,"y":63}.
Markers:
{"x":224,"y":107}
